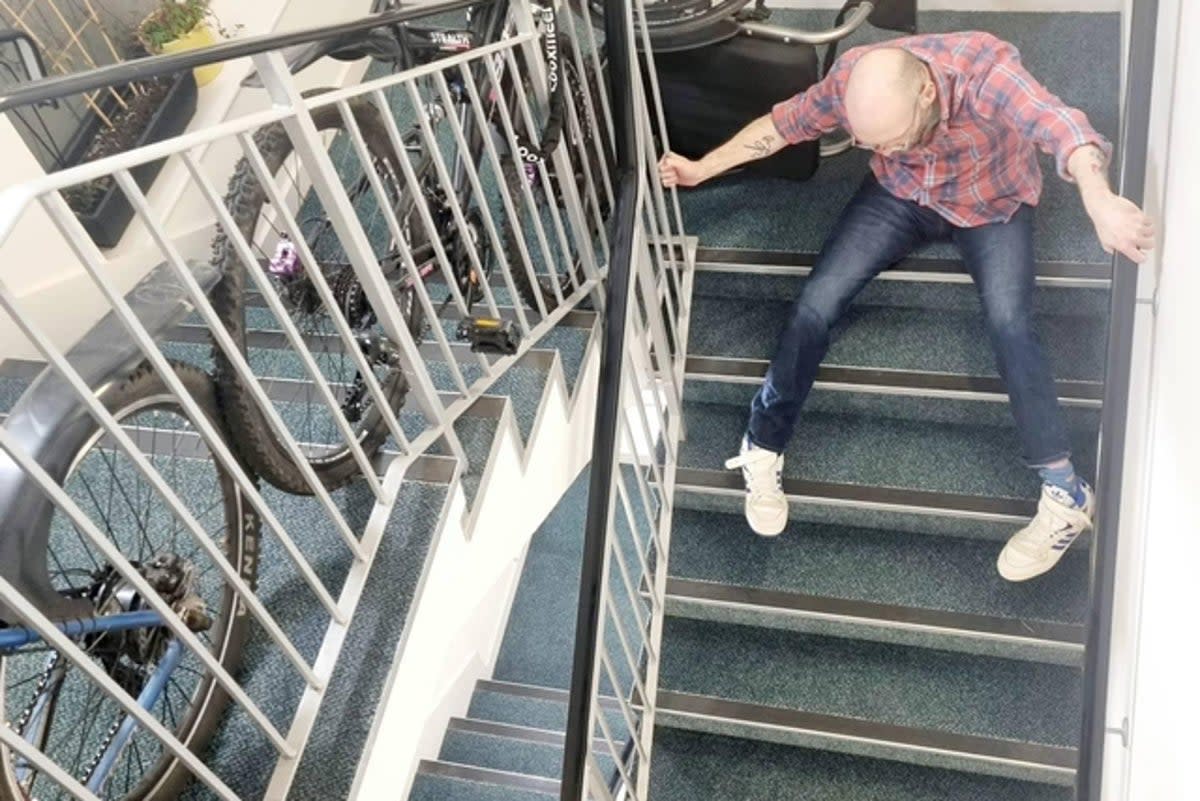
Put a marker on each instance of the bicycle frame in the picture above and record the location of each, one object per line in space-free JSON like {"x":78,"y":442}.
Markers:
{"x":13,"y":639}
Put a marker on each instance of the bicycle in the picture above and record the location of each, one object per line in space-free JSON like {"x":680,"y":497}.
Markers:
{"x":471,"y":262}
{"x":47,"y":700}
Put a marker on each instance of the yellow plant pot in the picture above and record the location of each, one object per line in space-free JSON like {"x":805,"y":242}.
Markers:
{"x":198,"y":37}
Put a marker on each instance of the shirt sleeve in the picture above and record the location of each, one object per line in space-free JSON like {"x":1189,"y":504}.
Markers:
{"x":1008,"y":93}
{"x":818,"y":109}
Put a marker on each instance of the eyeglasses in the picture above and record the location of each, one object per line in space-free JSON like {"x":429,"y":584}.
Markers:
{"x":903,"y":142}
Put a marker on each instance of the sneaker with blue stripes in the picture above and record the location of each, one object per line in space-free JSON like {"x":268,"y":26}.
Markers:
{"x":1058,"y":523}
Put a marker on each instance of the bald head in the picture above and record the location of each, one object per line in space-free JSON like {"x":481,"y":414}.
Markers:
{"x":884,"y":87}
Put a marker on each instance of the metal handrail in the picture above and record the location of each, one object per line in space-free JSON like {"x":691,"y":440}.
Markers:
{"x":789,"y":35}
{"x":1134,"y":142}
{"x":143,"y":69}
{"x":587,"y":623}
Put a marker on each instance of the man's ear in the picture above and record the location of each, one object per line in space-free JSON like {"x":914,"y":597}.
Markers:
{"x":928,"y":95}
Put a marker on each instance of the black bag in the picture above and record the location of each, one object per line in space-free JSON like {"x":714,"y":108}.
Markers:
{"x":710,"y":93}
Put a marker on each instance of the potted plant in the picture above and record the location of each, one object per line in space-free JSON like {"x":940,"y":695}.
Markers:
{"x":180,"y":25}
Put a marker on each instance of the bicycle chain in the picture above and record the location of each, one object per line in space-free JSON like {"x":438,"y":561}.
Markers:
{"x":86,"y":774}
{"x":43,"y":680}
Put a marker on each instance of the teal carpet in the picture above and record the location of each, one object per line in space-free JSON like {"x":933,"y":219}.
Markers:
{"x":690,"y":765}
{"x":959,"y":693}
{"x":876,"y":450}
{"x":955,"y":574}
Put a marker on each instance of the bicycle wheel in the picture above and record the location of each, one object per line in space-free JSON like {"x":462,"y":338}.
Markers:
{"x":519,"y":177}
{"x":298,"y":401}
{"x":669,"y":18}
{"x":52,"y":703}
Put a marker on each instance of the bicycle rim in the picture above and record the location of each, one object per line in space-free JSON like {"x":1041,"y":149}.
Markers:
{"x":51,"y":702}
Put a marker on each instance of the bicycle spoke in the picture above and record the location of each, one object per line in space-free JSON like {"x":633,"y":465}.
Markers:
{"x":132,"y":507}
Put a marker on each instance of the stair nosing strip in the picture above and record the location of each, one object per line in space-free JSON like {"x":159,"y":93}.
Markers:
{"x":919,"y":383}
{"x":523,"y":690}
{"x":801,"y":262}
{"x":1060,"y":759}
{"x":537,"y":692}
{"x":512,"y":731}
{"x":944,"y":504}
{"x":963,"y":624}
{"x":471,"y":773}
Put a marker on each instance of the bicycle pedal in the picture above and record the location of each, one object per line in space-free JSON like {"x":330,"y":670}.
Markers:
{"x":490,"y":335}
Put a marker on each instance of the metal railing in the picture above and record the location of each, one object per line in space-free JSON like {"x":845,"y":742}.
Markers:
{"x":412,"y":224}
{"x":638,"y":427}
{"x":1134,"y":144}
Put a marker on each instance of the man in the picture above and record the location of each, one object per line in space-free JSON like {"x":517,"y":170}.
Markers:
{"x":953,"y":120}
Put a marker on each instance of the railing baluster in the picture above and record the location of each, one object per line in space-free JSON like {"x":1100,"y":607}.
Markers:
{"x":511,"y":209}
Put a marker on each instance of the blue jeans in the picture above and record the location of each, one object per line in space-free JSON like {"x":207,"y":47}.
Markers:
{"x":875,"y":231}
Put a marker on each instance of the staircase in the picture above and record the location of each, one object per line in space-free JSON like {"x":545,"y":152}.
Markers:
{"x":544,"y":379}
{"x":872,"y":651}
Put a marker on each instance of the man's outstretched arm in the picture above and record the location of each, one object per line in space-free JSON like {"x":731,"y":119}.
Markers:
{"x":803,"y":117}
{"x":757,"y":140}
{"x":1120,"y":224}
{"x":1011,"y":94}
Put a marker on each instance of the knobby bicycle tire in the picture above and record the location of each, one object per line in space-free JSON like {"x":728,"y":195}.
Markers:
{"x":144,"y":390}
{"x":256,"y":440}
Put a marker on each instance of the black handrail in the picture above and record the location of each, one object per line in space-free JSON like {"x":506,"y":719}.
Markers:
{"x":587,"y":619}
{"x":143,"y":69}
{"x":1122,"y":306}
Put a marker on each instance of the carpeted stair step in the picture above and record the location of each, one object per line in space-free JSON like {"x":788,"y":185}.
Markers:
{"x":875,"y":584}
{"x":922,"y":445}
{"x":239,"y":751}
{"x":476,"y":433}
{"x":519,"y":705}
{"x":894,"y":337}
{"x":866,"y":401}
{"x":15,"y":377}
{"x":691,"y":765}
{"x":534,"y":707}
{"x":513,"y":749}
{"x":524,"y":380}
{"x":983,"y":714}
{"x":439,"y":781}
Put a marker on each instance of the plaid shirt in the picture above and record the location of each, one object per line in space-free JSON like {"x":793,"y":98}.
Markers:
{"x":979,"y":164}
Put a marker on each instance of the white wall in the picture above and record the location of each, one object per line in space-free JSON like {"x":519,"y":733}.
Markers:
{"x":1152,"y":683}
{"x":35,"y":263}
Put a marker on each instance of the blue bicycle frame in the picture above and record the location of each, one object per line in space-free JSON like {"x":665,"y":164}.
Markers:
{"x":12,"y":639}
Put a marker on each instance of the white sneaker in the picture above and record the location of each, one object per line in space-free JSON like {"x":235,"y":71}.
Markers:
{"x":1036,"y":548}
{"x":766,"y":505}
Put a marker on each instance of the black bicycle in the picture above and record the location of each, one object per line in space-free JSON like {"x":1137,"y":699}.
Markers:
{"x":467,"y":249}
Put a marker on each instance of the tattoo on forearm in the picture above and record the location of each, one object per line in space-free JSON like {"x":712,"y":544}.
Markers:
{"x":761,"y":147}
{"x":1095,"y":161}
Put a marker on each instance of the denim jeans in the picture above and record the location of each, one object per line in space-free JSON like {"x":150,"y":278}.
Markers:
{"x":875,"y":231}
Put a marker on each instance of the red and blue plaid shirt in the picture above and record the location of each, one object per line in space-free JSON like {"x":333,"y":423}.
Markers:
{"x":979,"y":164}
